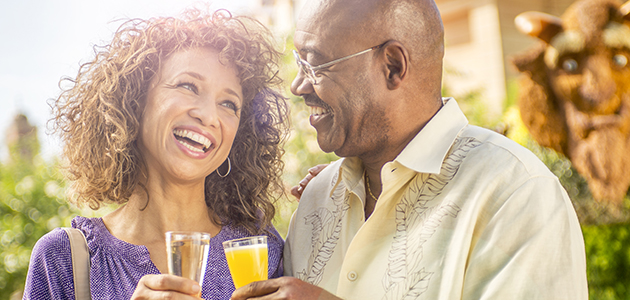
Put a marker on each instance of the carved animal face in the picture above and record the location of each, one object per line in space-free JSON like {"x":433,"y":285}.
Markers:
{"x":575,"y":90}
{"x":590,"y":68}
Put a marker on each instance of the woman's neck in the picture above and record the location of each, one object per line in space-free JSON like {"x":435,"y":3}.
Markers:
{"x":162,"y":206}
{"x":145,"y":220}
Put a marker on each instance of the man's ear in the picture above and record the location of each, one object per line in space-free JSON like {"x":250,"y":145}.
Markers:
{"x":397,"y":62}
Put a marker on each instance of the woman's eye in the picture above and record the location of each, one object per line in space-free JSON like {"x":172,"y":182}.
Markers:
{"x":189,"y":86}
{"x":231,"y":105}
{"x":620,"y":60}
{"x":570,"y":65}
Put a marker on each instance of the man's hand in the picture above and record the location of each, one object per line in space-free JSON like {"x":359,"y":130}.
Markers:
{"x":283,"y":288}
{"x":312,"y":172}
{"x":166,"y":287}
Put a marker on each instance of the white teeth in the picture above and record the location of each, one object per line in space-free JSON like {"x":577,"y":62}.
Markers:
{"x":316,"y":111}
{"x":194,"y":137}
{"x":192,"y":148}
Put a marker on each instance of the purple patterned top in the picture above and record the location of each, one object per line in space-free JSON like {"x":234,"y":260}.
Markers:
{"x":117,"y":266}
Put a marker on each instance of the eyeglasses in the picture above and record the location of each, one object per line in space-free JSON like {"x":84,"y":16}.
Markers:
{"x":309,"y":70}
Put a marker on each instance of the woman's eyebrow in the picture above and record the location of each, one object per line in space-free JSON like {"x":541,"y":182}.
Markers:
{"x":232,"y":92}
{"x":192,"y":74}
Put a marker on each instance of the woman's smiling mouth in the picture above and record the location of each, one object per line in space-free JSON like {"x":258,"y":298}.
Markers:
{"x":193,"y":141}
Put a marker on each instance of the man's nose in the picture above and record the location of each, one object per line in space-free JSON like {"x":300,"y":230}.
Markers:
{"x":301,"y":85}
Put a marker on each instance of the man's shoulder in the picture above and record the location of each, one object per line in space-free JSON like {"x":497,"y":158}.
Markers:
{"x":496,"y":149}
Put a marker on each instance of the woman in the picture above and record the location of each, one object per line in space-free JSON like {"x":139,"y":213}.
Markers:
{"x":175,"y":120}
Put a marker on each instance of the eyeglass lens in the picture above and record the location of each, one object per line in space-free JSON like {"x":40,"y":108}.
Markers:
{"x":308,"y":72}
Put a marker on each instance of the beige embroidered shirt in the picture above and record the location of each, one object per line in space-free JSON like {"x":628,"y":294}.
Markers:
{"x":465,"y":213}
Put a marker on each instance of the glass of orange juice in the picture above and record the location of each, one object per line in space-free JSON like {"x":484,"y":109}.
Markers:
{"x":247,"y":259}
{"x":187,"y":254}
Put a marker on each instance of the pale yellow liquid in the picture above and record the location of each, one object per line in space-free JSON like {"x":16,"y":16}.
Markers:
{"x":247,"y":264}
{"x":187,"y":258}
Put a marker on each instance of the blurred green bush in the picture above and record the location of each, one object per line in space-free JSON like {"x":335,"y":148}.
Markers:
{"x":31,"y":204}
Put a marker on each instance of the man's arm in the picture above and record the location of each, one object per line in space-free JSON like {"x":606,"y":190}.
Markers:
{"x":531,"y":248}
{"x":286,"y":288}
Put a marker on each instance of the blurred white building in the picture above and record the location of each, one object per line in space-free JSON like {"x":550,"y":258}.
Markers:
{"x":481,"y":38}
{"x":279,"y":15}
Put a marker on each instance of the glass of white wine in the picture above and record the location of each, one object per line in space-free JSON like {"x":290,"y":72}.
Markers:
{"x":187,"y":254}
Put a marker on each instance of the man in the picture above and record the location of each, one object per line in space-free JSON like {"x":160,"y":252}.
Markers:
{"x":422,"y":205}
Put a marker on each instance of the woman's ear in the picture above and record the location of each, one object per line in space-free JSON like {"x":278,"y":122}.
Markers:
{"x":397,"y":62}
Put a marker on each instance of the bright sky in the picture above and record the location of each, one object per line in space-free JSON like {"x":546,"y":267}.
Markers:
{"x":43,"y":40}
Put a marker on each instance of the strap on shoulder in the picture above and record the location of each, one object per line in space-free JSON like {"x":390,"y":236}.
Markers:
{"x":80,"y":263}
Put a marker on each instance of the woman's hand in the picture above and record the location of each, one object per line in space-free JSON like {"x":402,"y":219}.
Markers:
{"x":165,"y":286}
{"x":312,"y":172}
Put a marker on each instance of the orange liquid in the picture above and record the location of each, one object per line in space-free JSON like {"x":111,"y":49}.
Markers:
{"x":247,"y":264}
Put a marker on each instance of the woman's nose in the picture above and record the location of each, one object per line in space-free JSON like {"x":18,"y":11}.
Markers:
{"x":205,"y":111}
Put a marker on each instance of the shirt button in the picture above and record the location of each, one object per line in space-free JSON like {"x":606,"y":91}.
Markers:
{"x":352,"y":275}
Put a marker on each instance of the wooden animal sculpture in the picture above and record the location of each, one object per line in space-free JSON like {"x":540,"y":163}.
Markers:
{"x":575,"y":90}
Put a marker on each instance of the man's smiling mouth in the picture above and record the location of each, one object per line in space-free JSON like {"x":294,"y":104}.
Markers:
{"x":318,"y":111}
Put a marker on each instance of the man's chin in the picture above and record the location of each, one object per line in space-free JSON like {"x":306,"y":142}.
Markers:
{"x":336,"y":148}
{"x":327,"y":143}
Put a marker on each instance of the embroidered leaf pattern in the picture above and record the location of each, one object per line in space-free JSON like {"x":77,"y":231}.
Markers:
{"x":417,"y":219}
{"x":326,"y":230}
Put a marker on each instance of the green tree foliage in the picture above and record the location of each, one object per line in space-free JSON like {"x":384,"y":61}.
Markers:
{"x":608,"y":261}
{"x":31,"y":204}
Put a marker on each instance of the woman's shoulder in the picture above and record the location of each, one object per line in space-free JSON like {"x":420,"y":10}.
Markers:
{"x":54,"y":246}
{"x":94,"y":230}
{"x":273,"y":237}
{"x":275,"y":248}
{"x":51,"y":244}
{"x":50,"y":267}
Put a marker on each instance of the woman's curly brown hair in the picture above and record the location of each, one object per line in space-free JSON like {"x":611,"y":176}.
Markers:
{"x":98,"y":115}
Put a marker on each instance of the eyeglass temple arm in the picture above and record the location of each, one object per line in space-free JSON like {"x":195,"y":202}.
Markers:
{"x":330,"y":63}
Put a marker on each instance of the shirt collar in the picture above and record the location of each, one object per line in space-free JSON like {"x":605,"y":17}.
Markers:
{"x":427,"y":150}
{"x":351,"y":171}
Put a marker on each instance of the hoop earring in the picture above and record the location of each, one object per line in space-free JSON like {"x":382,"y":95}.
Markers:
{"x":228,"y":171}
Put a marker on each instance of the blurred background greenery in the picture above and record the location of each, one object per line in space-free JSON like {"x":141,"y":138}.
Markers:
{"x":32,"y":194}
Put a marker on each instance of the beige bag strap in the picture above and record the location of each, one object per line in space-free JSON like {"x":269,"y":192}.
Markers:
{"x":80,"y":263}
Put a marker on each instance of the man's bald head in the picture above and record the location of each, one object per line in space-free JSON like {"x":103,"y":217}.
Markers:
{"x":416,"y":24}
